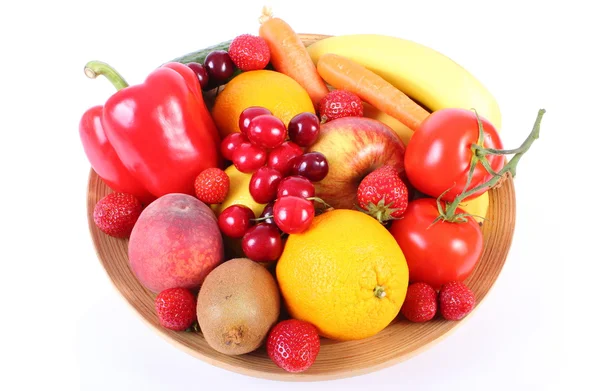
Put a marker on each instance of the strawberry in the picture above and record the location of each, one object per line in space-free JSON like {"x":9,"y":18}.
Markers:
{"x":338,"y":104}
{"x":456,"y":300}
{"x":382,"y":194}
{"x":212,"y":186}
{"x":420,"y":304}
{"x":249,"y":52}
{"x":116,"y":214}
{"x":176,"y":308}
{"x":293,"y":345}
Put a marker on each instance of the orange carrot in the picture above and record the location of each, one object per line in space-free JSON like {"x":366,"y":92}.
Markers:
{"x":289,"y":55}
{"x":345,"y":74}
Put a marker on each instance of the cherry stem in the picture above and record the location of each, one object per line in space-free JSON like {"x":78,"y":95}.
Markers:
{"x":510,"y":168}
{"x":95,"y":68}
{"x":320,"y":201}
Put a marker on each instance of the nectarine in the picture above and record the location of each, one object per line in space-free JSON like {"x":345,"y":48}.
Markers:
{"x":176,"y":242}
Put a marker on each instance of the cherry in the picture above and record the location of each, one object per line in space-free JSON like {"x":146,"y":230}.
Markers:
{"x":262,"y":243}
{"x":248,"y":114}
{"x":264,"y":184}
{"x":235,"y":220}
{"x":292,"y":214}
{"x":230,"y":143}
{"x":248,"y":158}
{"x":281,"y":157}
{"x":219,"y":67}
{"x":304,"y":129}
{"x":311,"y":165}
{"x":268,"y":212}
{"x":297,"y":186}
{"x":266,"y":131}
{"x":201,"y":73}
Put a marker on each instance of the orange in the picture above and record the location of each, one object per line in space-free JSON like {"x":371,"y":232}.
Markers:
{"x":346,"y":275}
{"x":277,"y":92}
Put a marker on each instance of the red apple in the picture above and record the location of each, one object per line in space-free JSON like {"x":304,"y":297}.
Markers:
{"x":354,"y":146}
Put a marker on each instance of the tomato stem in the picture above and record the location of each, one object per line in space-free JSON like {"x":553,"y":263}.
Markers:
{"x":94,"y":68}
{"x":510,"y":168}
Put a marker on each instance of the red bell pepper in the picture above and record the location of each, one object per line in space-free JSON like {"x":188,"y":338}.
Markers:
{"x":150,"y":139}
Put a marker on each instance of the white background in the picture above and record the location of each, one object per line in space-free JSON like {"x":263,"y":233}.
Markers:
{"x":64,"y":327}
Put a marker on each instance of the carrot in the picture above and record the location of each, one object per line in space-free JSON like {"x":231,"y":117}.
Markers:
{"x":343,"y":73}
{"x":290,"y":57}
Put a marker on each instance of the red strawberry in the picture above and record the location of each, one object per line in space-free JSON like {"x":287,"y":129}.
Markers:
{"x":456,"y":300}
{"x":338,"y":104}
{"x":293,"y":345}
{"x":116,"y":214}
{"x":249,"y":52}
{"x":212,"y":186}
{"x":420,"y":304}
{"x":382,"y":194}
{"x":176,"y":308}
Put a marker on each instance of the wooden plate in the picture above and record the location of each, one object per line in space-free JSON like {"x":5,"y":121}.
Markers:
{"x":398,"y":342}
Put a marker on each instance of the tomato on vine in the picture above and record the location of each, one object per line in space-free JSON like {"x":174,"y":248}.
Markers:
{"x":439,"y":156}
{"x":440,"y":241}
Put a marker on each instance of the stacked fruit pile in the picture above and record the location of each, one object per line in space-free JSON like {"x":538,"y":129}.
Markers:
{"x":318,"y":184}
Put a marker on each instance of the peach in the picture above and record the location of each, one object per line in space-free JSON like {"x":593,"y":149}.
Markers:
{"x":176,"y":242}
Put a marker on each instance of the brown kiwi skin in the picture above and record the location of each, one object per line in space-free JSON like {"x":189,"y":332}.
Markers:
{"x":238,"y":304}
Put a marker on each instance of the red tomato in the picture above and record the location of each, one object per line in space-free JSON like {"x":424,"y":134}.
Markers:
{"x":439,"y":154}
{"x":438,"y":253}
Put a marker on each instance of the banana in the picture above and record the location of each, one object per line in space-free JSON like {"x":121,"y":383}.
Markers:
{"x":403,"y":131}
{"x":477,"y":207}
{"x":425,"y":75}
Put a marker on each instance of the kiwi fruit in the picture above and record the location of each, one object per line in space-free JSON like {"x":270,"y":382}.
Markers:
{"x":238,"y":304}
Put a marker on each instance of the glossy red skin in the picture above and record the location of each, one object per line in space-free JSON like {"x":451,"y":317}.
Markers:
{"x":304,"y":128}
{"x":439,"y":253}
{"x":312,"y":165}
{"x":264,"y":184}
{"x":236,"y":220}
{"x":104,"y":159}
{"x":293,"y":215}
{"x":248,"y":114}
{"x":266,"y":131}
{"x":439,"y":154}
{"x":262,"y":243}
{"x":281,"y":157}
{"x":297,"y":186}
{"x":248,"y":158}
{"x":230,"y":143}
{"x":160,"y":134}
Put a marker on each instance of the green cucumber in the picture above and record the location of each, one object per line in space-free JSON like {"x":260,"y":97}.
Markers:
{"x":200,"y":55}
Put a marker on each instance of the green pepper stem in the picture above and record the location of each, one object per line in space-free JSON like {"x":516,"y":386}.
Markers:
{"x":509,"y":168}
{"x":94,"y":68}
